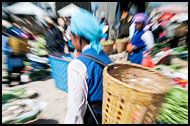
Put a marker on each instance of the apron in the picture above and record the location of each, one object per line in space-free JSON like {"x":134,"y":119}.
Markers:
{"x":137,"y":55}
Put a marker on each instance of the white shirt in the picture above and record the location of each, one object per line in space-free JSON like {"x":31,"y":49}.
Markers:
{"x":77,"y":91}
{"x":147,"y":37}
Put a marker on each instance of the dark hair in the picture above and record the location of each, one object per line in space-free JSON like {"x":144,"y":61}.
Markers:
{"x":81,"y":37}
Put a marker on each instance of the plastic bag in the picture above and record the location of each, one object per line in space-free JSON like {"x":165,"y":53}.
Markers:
{"x":147,"y":61}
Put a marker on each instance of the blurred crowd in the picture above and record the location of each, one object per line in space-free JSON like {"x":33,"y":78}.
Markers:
{"x":26,"y":39}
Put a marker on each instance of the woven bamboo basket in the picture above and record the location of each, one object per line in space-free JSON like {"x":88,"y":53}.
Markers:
{"x":18,"y":45}
{"x":108,"y":49}
{"x":125,"y":102}
{"x":121,"y":46}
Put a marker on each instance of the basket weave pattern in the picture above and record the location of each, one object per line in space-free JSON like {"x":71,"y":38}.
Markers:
{"x":59,"y":72}
{"x":108,"y":49}
{"x":126,"y":104}
{"x":121,"y":46}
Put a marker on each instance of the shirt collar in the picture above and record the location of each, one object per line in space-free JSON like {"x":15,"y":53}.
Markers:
{"x":86,"y":47}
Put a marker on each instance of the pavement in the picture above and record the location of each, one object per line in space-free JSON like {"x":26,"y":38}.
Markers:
{"x":56,"y":99}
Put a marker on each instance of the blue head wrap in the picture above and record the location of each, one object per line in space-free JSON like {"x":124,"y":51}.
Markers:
{"x":85,"y":25}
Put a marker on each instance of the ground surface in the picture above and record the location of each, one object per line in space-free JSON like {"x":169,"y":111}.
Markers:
{"x":55,"y":111}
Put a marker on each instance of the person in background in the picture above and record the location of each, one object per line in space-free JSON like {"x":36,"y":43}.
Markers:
{"x":54,"y":39}
{"x":142,"y":40}
{"x":156,"y":29}
{"x":124,"y":25}
{"x":84,"y":74}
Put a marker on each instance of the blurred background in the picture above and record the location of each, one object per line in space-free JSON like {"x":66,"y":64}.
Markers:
{"x":35,"y":32}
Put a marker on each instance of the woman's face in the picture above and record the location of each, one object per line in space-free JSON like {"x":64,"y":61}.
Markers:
{"x":76,"y":42}
{"x":139,"y":26}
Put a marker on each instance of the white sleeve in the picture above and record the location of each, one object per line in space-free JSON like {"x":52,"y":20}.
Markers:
{"x":148,"y":38}
{"x":77,"y":92}
{"x":131,"y":30}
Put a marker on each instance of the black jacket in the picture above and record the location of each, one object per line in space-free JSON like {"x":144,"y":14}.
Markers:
{"x":54,"y":41}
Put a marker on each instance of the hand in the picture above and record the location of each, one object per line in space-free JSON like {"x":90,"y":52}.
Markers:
{"x":103,"y":40}
{"x":134,"y":47}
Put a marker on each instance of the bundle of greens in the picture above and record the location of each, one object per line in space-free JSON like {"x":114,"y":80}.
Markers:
{"x":6,"y":97}
{"x":158,"y":47}
{"x":175,"y":107}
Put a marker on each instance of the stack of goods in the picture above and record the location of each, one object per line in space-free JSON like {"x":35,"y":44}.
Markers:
{"x":174,"y":109}
{"x":19,"y":111}
{"x":158,"y":48}
{"x":17,"y":93}
{"x":177,"y":66}
{"x":38,"y":46}
{"x":181,"y":52}
{"x":18,"y":108}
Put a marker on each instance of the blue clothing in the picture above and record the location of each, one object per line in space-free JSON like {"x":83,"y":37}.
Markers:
{"x":95,"y":72}
{"x":15,"y":32}
{"x":85,"y":25}
{"x":14,"y":62}
{"x":137,"y":56}
{"x":136,"y":40}
{"x":5,"y":47}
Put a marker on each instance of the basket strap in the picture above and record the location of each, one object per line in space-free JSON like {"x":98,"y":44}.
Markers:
{"x":94,"y":59}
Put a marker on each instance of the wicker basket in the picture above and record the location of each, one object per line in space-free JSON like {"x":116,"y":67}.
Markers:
{"x":121,"y":46}
{"x":18,"y":45}
{"x":108,"y":49}
{"x":127,"y":104}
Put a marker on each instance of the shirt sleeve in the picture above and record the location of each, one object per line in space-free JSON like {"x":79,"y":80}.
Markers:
{"x":148,"y":38}
{"x":131,"y":30}
{"x":77,"y":92}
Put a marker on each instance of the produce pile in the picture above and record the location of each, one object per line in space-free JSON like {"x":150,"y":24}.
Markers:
{"x":18,"y":107}
{"x":109,"y":42}
{"x":175,"y":66}
{"x":38,"y":47}
{"x":19,"y":93}
{"x":121,"y":40}
{"x":19,"y":111}
{"x":158,"y":48}
{"x":174,"y":109}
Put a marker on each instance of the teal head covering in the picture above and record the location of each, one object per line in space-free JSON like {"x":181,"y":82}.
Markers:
{"x":85,"y":25}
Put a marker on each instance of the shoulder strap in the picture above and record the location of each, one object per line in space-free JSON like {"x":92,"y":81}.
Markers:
{"x":94,"y":59}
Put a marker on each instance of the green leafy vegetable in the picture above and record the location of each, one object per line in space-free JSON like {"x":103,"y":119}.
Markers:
{"x":175,"y":107}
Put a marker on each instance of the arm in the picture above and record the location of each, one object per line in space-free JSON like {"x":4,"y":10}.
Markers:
{"x":77,"y":92}
{"x":148,"y":38}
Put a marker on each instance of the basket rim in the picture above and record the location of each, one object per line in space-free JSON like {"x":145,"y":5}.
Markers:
{"x":136,"y":88}
{"x":58,"y":58}
{"x":123,"y":41}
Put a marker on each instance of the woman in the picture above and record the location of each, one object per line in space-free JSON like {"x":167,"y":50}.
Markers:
{"x":85,"y":75}
{"x":141,"y":40}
